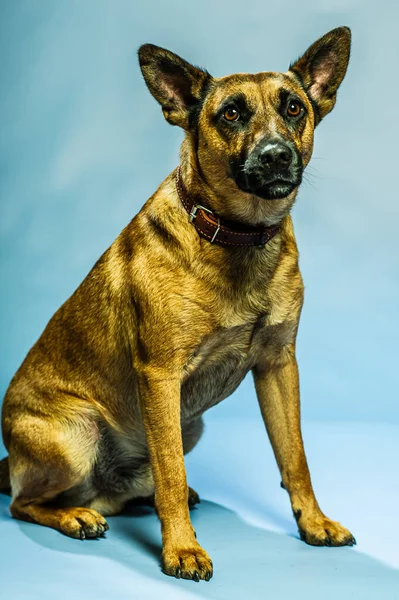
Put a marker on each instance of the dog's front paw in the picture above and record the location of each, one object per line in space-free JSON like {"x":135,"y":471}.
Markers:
{"x":319,"y":530}
{"x":82,"y":523}
{"x":189,"y":563}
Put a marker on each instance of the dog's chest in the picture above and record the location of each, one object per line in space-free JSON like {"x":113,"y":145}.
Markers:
{"x":218,"y":366}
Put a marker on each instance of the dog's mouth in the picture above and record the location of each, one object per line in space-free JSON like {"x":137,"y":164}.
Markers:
{"x":272,"y":190}
{"x":271,"y":171}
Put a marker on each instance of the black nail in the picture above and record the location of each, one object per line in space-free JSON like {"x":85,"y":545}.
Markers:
{"x":82,"y":534}
{"x":208,"y":575}
{"x":196,"y":576}
{"x":178,"y":573}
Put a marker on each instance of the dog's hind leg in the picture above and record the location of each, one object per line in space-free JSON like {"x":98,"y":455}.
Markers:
{"x":46,"y":459}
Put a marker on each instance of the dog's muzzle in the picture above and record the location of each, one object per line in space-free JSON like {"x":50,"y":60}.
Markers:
{"x":272,"y":170}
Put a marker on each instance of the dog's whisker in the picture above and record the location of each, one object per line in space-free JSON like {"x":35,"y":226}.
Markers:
{"x":307,"y":180}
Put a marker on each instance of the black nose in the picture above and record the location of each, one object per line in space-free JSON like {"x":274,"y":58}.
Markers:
{"x":276,"y":156}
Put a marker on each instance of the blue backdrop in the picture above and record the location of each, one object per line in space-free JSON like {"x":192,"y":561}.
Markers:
{"x":83,"y":145}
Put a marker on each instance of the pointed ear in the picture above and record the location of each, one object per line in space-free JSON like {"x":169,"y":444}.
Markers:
{"x":322,"y":68}
{"x":178,"y":86}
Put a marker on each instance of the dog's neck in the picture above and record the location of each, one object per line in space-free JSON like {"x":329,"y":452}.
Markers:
{"x":222,"y":196}
{"x":221,"y":231}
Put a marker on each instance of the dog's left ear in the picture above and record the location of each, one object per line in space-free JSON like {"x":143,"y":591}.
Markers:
{"x":176,"y":84}
{"x":322,"y":68}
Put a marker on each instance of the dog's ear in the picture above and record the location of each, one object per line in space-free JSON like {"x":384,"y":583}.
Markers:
{"x":178,"y":86}
{"x":322,"y":68}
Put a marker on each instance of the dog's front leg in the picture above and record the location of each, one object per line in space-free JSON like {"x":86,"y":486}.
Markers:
{"x":182,"y":556}
{"x":277,"y":387}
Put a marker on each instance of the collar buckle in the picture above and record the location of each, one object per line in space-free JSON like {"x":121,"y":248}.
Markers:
{"x":195,"y":209}
{"x":231,"y":235}
{"x":193,"y":215}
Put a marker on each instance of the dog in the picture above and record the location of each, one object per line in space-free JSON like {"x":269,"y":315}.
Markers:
{"x":202,"y":286}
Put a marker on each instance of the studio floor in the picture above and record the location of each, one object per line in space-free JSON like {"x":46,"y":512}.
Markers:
{"x":244,"y":521}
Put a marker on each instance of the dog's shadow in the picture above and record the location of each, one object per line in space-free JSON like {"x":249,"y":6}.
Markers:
{"x":249,"y":562}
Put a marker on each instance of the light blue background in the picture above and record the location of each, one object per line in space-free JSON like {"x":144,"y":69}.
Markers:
{"x":83,"y":145}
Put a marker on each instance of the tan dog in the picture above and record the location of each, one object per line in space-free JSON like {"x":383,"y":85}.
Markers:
{"x":176,"y":312}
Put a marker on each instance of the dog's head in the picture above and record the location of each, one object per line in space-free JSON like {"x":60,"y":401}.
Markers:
{"x":251,"y":136}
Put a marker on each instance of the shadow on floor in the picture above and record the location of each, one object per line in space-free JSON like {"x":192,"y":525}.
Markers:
{"x":249,"y":562}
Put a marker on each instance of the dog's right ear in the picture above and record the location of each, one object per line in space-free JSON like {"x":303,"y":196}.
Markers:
{"x":322,"y":68}
{"x":177,"y":85}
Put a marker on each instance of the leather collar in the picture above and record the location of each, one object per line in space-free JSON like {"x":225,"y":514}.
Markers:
{"x":218,"y":230}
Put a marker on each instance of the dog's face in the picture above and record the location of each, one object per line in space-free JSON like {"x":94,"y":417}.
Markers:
{"x":258,"y":130}
{"x":251,"y":136}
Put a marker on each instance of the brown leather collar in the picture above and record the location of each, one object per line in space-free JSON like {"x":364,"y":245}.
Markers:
{"x":221,"y":231}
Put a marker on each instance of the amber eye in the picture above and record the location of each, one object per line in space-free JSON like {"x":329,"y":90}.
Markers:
{"x":231,"y":114}
{"x":294,"y":109}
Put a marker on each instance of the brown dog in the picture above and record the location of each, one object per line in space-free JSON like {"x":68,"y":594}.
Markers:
{"x":176,"y":312}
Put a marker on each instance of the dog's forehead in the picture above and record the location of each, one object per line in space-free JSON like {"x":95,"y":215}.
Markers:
{"x":255,"y":86}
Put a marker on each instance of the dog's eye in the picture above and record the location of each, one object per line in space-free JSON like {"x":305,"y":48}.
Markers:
{"x":231,"y":114}
{"x":294,"y":108}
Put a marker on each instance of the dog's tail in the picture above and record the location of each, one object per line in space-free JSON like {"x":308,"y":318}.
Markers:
{"x":5,"y":485}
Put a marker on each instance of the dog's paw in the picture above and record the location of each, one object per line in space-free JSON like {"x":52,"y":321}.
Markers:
{"x":321,"y":531}
{"x":82,"y":523}
{"x":187,"y":563}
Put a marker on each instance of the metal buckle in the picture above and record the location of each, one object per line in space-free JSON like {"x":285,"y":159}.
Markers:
{"x":193,"y":214}
{"x":217,"y":231}
{"x":194,"y":211}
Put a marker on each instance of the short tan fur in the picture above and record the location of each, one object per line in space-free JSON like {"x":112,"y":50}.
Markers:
{"x":167,"y":324}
